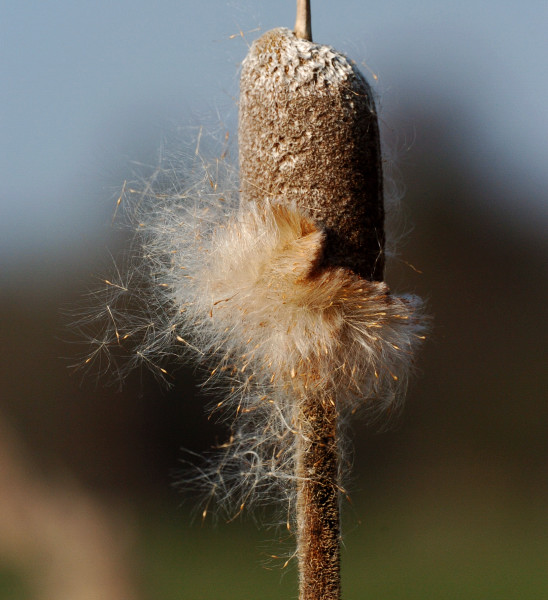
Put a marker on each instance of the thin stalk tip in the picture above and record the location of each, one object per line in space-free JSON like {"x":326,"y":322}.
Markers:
{"x":303,"y":28}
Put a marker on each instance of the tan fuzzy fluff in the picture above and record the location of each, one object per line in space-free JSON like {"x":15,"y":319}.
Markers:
{"x":284,"y":317}
{"x":242,"y":288}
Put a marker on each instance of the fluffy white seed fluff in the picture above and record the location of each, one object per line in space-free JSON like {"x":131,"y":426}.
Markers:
{"x":242,"y":291}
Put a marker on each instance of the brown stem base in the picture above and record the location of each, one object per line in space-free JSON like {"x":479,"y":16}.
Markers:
{"x":318,"y":543}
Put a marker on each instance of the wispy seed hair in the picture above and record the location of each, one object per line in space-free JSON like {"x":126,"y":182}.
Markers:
{"x":241,"y":288}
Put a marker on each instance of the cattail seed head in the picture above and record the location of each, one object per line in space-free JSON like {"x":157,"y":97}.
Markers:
{"x":308,"y":134}
{"x":276,"y":289}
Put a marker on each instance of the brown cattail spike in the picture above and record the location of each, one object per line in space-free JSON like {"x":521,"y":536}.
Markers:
{"x":308,"y":134}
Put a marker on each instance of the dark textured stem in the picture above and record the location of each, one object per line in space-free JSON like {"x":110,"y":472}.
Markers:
{"x":318,"y":527}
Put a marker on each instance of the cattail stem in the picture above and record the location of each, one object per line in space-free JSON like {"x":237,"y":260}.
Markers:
{"x":318,"y":527}
{"x":303,"y":27}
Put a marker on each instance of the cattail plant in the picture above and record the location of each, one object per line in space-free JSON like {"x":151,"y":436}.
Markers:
{"x":276,"y":286}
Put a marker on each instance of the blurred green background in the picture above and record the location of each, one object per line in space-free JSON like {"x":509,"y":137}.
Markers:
{"x":449,"y":503}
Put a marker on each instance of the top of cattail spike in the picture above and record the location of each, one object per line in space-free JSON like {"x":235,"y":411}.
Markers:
{"x":309,"y":137}
{"x":303,"y":28}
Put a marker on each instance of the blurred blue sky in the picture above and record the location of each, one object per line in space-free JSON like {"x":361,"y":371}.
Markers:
{"x":88,"y":87}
